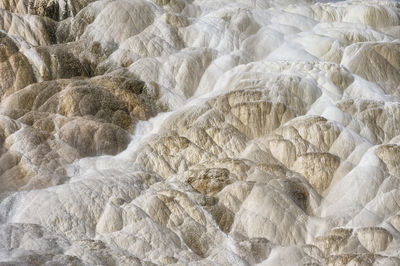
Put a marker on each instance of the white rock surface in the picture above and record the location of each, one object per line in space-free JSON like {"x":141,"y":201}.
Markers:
{"x":138,"y":132}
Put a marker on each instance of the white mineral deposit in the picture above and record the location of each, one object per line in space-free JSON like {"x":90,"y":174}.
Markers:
{"x":199,"y":132}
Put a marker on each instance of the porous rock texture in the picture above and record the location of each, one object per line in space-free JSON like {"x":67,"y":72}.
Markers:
{"x":199,"y":132}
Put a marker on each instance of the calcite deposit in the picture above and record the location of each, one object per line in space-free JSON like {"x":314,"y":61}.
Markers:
{"x":199,"y":132}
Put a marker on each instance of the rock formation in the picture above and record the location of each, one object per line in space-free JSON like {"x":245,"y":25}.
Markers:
{"x":199,"y":132}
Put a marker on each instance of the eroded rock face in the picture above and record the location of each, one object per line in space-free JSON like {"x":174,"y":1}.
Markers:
{"x":199,"y":132}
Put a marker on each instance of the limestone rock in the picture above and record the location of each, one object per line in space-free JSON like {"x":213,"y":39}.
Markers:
{"x":208,"y":181}
{"x":318,"y":169}
{"x":374,"y":239}
{"x":199,"y":132}
{"x":382,"y":66}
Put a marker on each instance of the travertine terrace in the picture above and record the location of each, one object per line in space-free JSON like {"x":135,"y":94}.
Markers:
{"x":199,"y":132}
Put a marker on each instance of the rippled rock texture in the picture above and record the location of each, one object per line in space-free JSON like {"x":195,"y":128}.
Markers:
{"x":201,"y":132}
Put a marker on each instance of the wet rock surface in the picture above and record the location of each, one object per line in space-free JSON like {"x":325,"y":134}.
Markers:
{"x":199,"y":132}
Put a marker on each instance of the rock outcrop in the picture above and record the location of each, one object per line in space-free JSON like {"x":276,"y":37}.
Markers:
{"x":201,"y":132}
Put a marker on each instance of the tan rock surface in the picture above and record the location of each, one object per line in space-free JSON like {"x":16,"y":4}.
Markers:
{"x":199,"y":132}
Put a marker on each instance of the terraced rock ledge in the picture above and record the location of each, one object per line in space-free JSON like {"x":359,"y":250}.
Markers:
{"x":199,"y":132}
